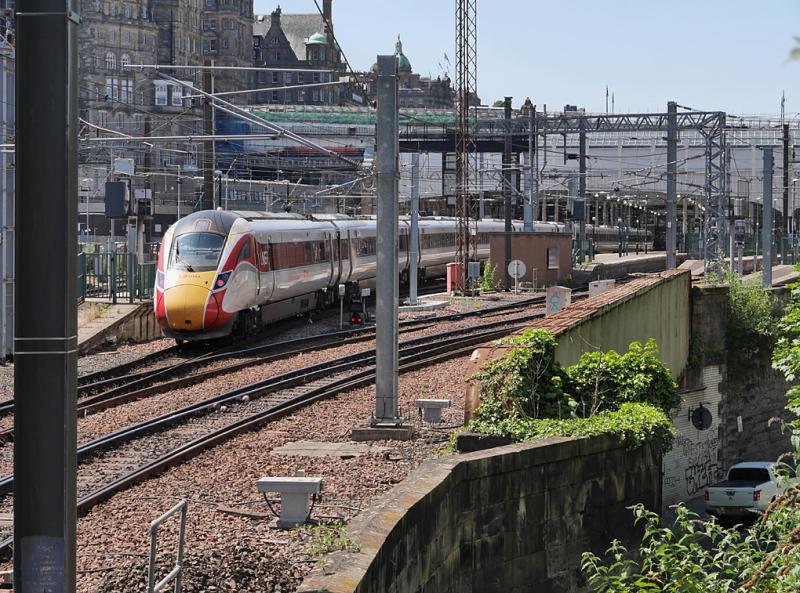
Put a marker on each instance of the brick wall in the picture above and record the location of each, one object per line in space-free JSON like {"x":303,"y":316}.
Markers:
{"x":515,"y":518}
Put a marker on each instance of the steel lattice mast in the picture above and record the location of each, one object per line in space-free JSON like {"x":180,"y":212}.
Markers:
{"x":466,"y":89}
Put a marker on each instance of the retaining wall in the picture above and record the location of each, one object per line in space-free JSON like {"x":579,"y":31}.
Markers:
{"x":505,"y":520}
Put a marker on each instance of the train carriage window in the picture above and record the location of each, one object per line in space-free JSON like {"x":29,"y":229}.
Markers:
{"x":344,"y":248}
{"x":265,"y":261}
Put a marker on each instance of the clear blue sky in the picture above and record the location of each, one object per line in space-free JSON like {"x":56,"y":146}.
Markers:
{"x":708,"y":54}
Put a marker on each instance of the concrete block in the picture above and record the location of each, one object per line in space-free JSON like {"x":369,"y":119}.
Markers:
{"x":600,"y":286}
{"x":432,"y":408}
{"x":558,"y":298}
{"x":382,"y":433}
{"x":295,"y":492}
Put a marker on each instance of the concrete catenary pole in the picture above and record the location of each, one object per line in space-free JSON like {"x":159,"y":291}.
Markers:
{"x":208,"y":146}
{"x":767,"y":219}
{"x":413,"y":240}
{"x":787,"y":225}
{"x":507,"y":180}
{"x":672,"y":181}
{"x":45,"y":319}
{"x":529,"y":207}
{"x":386,"y":331}
{"x":582,"y":184}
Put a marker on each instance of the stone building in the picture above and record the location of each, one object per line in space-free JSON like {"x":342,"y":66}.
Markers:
{"x":227,"y":40}
{"x":304,"y":44}
{"x":415,"y":90}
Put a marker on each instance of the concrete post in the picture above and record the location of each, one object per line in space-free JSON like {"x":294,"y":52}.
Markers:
{"x":413,"y":239}
{"x":672,"y":180}
{"x":386,"y":330}
{"x":507,"y":181}
{"x":767,"y":219}
{"x":582,"y":186}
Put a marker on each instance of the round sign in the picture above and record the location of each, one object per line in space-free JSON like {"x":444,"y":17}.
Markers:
{"x":516,"y":268}
{"x":701,"y":418}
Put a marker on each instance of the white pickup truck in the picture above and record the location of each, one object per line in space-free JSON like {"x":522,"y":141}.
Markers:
{"x":749,"y":488}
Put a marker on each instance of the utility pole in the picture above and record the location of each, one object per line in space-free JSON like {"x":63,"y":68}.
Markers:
{"x":529,"y":206}
{"x":507,"y":192}
{"x":672,"y":181}
{"x":766,"y":274}
{"x":786,"y":217}
{"x":582,"y":184}
{"x":386,"y":330}
{"x":45,"y":316}
{"x":413,"y":243}
{"x":208,"y":145}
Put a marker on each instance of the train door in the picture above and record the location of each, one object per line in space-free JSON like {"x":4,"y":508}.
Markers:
{"x":266,"y":281}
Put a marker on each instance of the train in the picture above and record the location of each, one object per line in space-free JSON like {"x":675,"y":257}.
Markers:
{"x":223,"y":272}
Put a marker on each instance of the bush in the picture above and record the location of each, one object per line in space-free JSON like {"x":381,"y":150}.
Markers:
{"x":527,"y":382}
{"x":488,"y":280}
{"x":606,"y":380}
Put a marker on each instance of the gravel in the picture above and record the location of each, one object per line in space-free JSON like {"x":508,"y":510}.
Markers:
{"x":230,"y":552}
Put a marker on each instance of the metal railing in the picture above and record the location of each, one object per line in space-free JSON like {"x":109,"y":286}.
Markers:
{"x":175,"y":573}
{"x":105,"y":275}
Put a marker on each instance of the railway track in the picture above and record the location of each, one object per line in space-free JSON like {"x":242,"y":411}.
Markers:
{"x":115,"y":462}
{"x":105,"y":389}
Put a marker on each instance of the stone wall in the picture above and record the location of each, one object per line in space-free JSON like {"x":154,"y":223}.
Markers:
{"x":509,"y":519}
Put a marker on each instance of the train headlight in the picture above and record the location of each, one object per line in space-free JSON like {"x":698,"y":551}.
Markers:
{"x":160,"y":280}
{"x":222,"y":280}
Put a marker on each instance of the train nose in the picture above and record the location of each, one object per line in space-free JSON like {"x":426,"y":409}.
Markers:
{"x":185,"y":306}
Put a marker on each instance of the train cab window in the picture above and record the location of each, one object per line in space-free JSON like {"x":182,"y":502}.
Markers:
{"x":196,"y":252}
{"x":244,"y":254}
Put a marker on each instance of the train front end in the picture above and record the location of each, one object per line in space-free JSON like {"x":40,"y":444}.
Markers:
{"x":189,"y":285}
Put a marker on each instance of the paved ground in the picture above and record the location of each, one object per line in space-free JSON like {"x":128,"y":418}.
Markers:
{"x":110,"y":316}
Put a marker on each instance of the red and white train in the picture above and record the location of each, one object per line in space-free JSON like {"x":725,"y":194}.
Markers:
{"x":221,"y":272}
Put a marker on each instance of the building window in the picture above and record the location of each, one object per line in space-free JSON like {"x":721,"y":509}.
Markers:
{"x":227,"y":24}
{"x":102,"y":118}
{"x":161,"y":94}
{"x":121,"y":120}
{"x":127,"y":11}
{"x":274,"y":96}
{"x":126,"y":37}
{"x":111,"y":61}
{"x":316,"y":77}
{"x":126,"y":91}
{"x":225,"y":43}
{"x":124,"y":61}
{"x":275,"y":77}
{"x":112,"y":36}
{"x":97,"y":6}
{"x":288,"y":77}
{"x":315,"y":96}
{"x":113,"y":10}
{"x":109,"y":88}
{"x":144,"y":12}
{"x":301,"y":77}
{"x":552,"y":258}
{"x":177,"y":96}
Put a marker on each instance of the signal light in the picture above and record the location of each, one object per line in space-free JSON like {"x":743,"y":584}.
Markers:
{"x":222,"y":280}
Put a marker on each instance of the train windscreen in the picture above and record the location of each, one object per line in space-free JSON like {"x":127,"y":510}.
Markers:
{"x":196,"y":252}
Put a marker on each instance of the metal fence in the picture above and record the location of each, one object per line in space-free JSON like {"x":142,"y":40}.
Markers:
{"x":114,"y":276}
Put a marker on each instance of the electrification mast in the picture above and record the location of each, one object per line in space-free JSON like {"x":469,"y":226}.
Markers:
{"x":466,"y":91}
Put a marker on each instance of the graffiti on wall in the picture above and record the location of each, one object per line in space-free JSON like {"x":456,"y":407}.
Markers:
{"x":701,"y":459}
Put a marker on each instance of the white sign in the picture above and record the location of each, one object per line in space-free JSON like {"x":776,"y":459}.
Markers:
{"x":516,"y":269}
{"x":123,"y":166}
{"x":365,"y":292}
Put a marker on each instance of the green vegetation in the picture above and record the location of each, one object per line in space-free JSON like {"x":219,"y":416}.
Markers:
{"x":333,"y":537}
{"x":753,"y":316}
{"x":488,"y":280}
{"x":527,"y":394}
{"x":697,"y":556}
